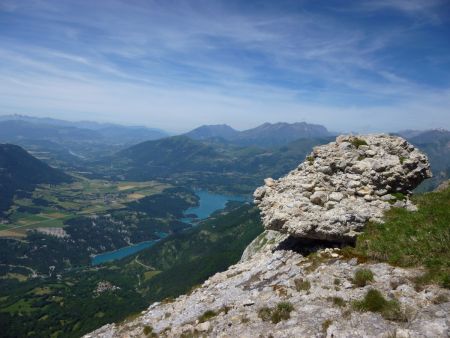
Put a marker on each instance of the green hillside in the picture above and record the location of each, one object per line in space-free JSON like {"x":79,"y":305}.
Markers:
{"x":209,"y":165}
{"x":20,"y":173}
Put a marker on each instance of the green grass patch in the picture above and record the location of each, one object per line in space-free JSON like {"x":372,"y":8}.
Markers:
{"x":22,"y":306}
{"x":362,"y":277}
{"x":409,"y":239}
{"x":150,"y":274}
{"x":337,"y":301}
{"x":276,"y":314}
{"x":357,"y":142}
{"x":374,"y":301}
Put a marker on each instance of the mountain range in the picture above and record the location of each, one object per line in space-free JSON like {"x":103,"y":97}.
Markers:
{"x":20,"y":128}
{"x":435,"y":143}
{"x":265,"y":135}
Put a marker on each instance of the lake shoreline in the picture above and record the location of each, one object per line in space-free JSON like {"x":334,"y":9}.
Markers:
{"x":208,"y":203}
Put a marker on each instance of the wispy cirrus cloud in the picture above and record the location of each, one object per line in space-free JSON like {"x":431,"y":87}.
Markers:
{"x":156,"y":62}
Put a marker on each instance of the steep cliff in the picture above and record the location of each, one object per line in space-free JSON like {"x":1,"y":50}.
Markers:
{"x":295,"y":280}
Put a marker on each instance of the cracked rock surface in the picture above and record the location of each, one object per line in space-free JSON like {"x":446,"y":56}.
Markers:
{"x":322,"y":308}
{"x":341,"y":186}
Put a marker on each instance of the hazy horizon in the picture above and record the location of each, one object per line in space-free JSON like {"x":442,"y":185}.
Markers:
{"x":370,"y":66}
{"x":173,"y":132}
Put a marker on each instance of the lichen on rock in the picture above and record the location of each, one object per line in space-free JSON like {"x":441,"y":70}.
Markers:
{"x":341,"y":186}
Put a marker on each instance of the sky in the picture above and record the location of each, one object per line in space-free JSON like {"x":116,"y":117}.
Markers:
{"x":360,"y":66}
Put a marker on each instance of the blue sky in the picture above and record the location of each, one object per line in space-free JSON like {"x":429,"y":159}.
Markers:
{"x":351,"y":65}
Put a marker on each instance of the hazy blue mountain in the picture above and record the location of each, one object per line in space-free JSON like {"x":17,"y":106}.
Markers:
{"x":129,"y":135}
{"x":17,"y":130}
{"x":409,"y":133}
{"x":213,"y":131}
{"x":436,"y":144}
{"x":433,"y":136}
{"x":21,"y":172}
{"x":281,"y":133}
{"x":69,"y":144}
{"x":85,"y":130}
{"x":265,"y":135}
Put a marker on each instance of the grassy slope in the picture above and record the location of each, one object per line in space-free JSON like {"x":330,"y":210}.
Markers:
{"x":21,"y":171}
{"x":409,"y":239}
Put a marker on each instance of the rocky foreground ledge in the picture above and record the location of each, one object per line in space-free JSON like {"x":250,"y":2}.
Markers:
{"x":277,"y":292}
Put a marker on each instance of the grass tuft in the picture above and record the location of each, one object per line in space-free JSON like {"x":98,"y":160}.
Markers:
{"x":325,"y":325}
{"x":265,"y":313}
{"x":357,"y":142}
{"x":281,"y":312}
{"x":374,"y":301}
{"x":302,"y":284}
{"x":362,"y":277}
{"x":337,"y":301}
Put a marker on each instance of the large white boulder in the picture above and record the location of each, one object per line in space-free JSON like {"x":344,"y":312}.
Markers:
{"x":341,"y":186}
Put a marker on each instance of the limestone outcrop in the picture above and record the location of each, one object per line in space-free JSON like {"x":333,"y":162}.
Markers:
{"x":319,"y":291}
{"x":341,"y":186}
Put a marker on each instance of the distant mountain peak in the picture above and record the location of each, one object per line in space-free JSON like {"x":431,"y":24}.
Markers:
{"x":265,"y":135}
{"x":213,"y":131}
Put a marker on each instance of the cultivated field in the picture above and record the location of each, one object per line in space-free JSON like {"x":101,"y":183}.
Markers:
{"x":51,"y":205}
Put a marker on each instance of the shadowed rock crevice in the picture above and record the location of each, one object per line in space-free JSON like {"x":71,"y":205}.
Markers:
{"x":305,"y":246}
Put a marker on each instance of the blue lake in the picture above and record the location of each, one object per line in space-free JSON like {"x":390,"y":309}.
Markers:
{"x":121,"y":253}
{"x":208,"y":203}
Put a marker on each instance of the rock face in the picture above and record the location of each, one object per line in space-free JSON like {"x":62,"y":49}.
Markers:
{"x":267,"y":241}
{"x":341,"y":186}
{"x":321,"y":297}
